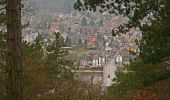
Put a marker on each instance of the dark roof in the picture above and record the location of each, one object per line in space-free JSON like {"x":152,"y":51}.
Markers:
{"x":126,"y":58}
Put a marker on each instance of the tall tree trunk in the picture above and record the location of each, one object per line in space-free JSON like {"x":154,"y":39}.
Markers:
{"x":14,"y":62}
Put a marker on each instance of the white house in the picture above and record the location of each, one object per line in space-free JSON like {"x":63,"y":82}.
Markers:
{"x":30,"y":37}
{"x":100,"y":61}
{"x":95,"y":61}
{"x":119,"y":59}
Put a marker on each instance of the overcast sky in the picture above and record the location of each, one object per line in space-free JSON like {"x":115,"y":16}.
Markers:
{"x":57,"y":5}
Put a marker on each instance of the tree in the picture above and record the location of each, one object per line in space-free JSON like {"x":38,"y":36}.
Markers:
{"x":100,"y":23}
{"x":68,"y":41}
{"x":138,"y":77}
{"x":14,"y":62}
{"x":2,"y":64}
{"x":46,"y":69}
{"x":57,"y":66}
{"x":92,"y":23}
{"x":84,"y":22}
{"x":114,"y":32}
{"x":80,"y":43}
{"x":61,"y":28}
{"x":36,"y":81}
{"x":48,"y":25}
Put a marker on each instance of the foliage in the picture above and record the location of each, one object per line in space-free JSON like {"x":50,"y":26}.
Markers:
{"x":68,"y":41}
{"x":2,"y":63}
{"x":57,"y":66}
{"x":2,"y":49}
{"x":80,"y":43}
{"x":137,"y":76}
{"x":84,"y":22}
{"x":41,"y":69}
{"x":156,"y":41}
{"x":100,"y":23}
{"x":92,"y":23}
{"x":61,"y":28}
{"x":156,"y":92}
{"x":35,"y":79}
{"x":44,"y":67}
{"x":49,"y":77}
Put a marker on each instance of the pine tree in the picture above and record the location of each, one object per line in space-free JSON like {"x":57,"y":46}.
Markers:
{"x":57,"y":66}
{"x":36,"y":81}
{"x":2,"y":50}
{"x":80,"y":42}
{"x":84,"y":22}
{"x":14,"y":62}
{"x":92,"y":23}
{"x":2,"y":65}
{"x":100,"y":23}
{"x":68,"y":41}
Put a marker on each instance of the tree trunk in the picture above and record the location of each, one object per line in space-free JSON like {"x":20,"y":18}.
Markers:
{"x":14,"y":62}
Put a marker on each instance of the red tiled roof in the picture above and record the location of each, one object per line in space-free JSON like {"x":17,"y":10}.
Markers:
{"x":87,"y":30}
{"x":112,"y":25}
{"x":92,"y":53}
{"x":56,"y":23}
{"x":115,"y":17}
{"x":91,"y":39}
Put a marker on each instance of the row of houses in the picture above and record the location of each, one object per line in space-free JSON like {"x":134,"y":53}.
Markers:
{"x":92,"y":61}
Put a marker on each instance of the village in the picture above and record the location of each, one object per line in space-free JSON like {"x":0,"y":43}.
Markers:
{"x":89,"y":38}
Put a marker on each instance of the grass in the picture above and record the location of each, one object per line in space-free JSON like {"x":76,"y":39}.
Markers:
{"x":79,"y":51}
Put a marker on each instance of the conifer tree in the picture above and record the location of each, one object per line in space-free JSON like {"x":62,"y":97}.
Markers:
{"x":57,"y":66}
{"x":84,"y":22}
{"x":14,"y":62}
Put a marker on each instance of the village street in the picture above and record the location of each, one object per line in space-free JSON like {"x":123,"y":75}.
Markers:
{"x":110,"y":68}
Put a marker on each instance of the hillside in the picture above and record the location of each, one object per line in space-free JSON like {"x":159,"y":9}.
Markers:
{"x":56,"y":5}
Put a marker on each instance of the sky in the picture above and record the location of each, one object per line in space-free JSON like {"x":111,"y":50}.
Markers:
{"x":55,"y":5}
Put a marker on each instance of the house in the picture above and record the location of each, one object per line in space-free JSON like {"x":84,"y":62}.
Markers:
{"x":133,"y":48}
{"x":98,"y":61}
{"x":108,"y":50}
{"x":48,"y":34}
{"x":101,"y":60}
{"x":119,"y":59}
{"x":126,"y":60}
{"x":95,"y":61}
{"x":125,"y":57}
{"x":87,"y":30}
{"x":55,"y":24}
{"x":91,"y":60}
{"x":30,"y":37}
{"x":83,"y":60}
{"x":91,"y":41}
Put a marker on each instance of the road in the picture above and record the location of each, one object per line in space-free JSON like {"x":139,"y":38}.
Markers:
{"x":110,"y":68}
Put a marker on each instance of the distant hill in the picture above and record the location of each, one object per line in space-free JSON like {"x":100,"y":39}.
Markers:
{"x":55,"y":5}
